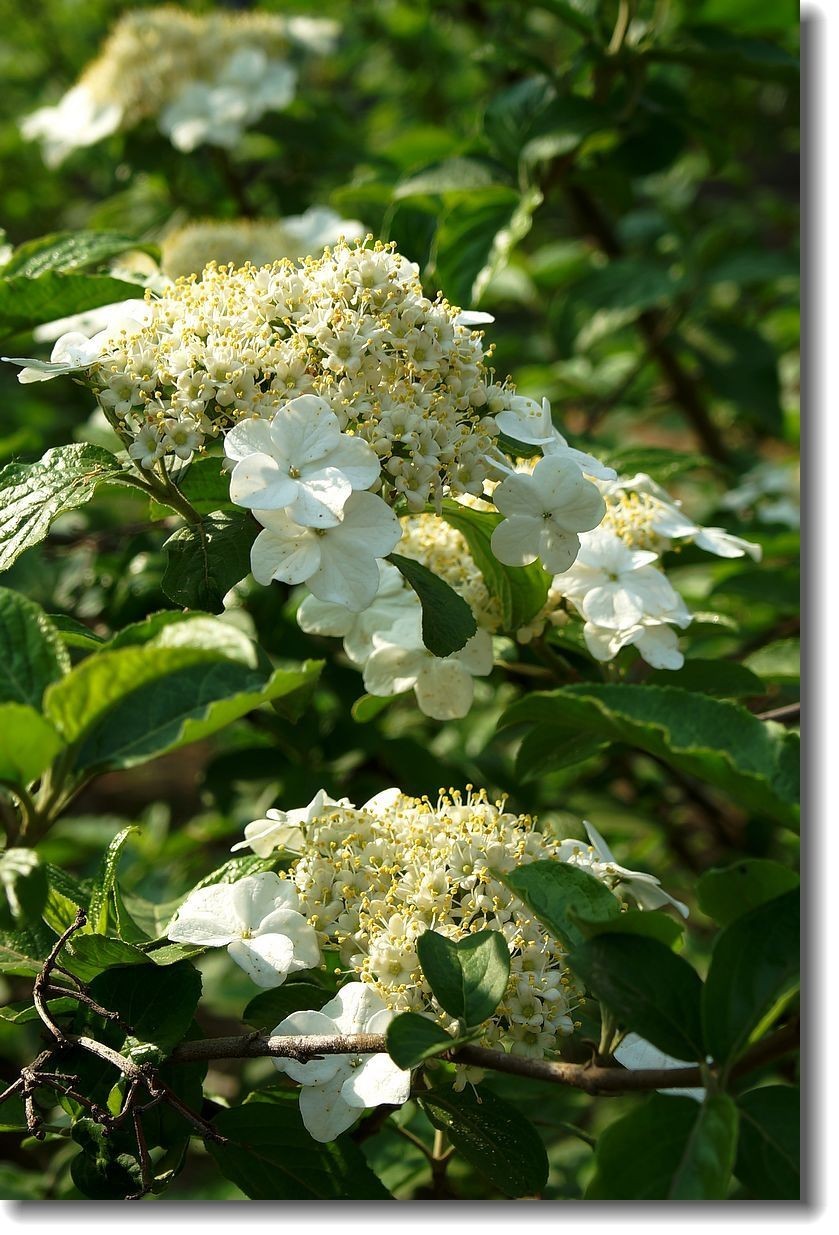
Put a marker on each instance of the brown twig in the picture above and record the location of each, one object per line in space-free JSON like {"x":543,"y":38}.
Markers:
{"x":789,"y":712}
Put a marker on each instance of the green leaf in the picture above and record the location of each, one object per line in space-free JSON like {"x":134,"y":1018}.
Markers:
{"x":769,"y":1145}
{"x":652,"y":925}
{"x":31,"y":652}
{"x":520,"y":591}
{"x":269,"y":1155}
{"x":452,"y":176}
{"x":562,"y":127}
{"x":755,"y":962}
{"x":26,"y":303}
{"x":125,"y":706}
{"x":468,"y":978}
{"x":777,"y":662}
{"x":723,"y":679}
{"x":669,"y":1149}
{"x":269,"y":1008}
{"x":23,"y":952}
{"x":662,"y":465}
{"x":87,"y":956}
{"x":549,"y":750}
{"x":559,"y":894}
{"x":237,"y":868}
{"x":476,"y":236}
{"x":205,"y":485}
{"x":28,"y":744}
{"x":719,"y":742}
{"x":24,"y":1012}
{"x":75,"y":634}
{"x":32,"y":495}
{"x":23,"y":881}
{"x":512,"y":113}
{"x":65,"y":897}
{"x":648,"y":988}
{"x":412,"y":1038}
{"x":158,"y":1003}
{"x":728,"y":892}
{"x":104,"y":882}
{"x":492,"y":1136}
{"x":447,"y":621}
{"x":65,"y":251}
{"x":205,"y":562}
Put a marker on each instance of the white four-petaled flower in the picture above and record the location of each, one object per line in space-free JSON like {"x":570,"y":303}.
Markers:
{"x":444,"y":686}
{"x":337,"y":1088}
{"x":257,"y":919}
{"x":299,"y":461}
{"x":337,"y":563}
{"x":545,"y":512}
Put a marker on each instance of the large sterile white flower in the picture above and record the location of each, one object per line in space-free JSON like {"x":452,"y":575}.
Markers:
{"x":337,"y":1088}
{"x":337,"y":563}
{"x":78,"y":119}
{"x":656,"y":641}
{"x":545,"y":512}
{"x":217,"y":111}
{"x":598,"y":858}
{"x":530,"y":422}
{"x":299,"y":461}
{"x":257,"y":919}
{"x":665,"y":518}
{"x":614,"y":586}
{"x":392,"y":601}
{"x":281,"y":829}
{"x":73,"y":352}
{"x":443,"y":686}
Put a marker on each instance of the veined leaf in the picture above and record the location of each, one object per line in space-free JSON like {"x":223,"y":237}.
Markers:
{"x":559,"y":894}
{"x":469,"y":977}
{"x":28,"y":744}
{"x":31,"y":652}
{"x":66,"y":251}
{"x":205,"y":562}
{"x":32,"y":495}
{"x":447,"y":621}
{"x":29,"y":302}
{"x":716,"y":740}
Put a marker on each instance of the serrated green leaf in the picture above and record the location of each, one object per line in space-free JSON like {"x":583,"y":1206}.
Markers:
{"x":269,"y":1155}
{"x":647,"y":988}
{"x":124,"y":706}
{"x":669,"y":1149}
{"x":754,"y":962}
{"x":412,"y":1038}
{"x":26,"y":303}
{"x":769,"y":1145}
{"x":723,"y":679}
{"x":492,"y":1135}
{"x":729,"y":892}
{"x":556,"y":892}
{"x":66,"y":251}
{"x":205,"y":562}
{"x":716,"y":740}
{"x":31,"y":652}
{"x":469,"y":977}
{"x":28,"y":744}
{"x":97,"y":915}
{"x":32,"y":495}
{"x":520,"y":591}
{"x":447,"y":621}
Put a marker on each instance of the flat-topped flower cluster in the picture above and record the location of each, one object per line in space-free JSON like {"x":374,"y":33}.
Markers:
{"x":204,"y":78}
{"x":365,"y":883}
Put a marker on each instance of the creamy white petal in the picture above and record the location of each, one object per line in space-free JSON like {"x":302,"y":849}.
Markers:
{"x":444,"y":689}
{"x":557,"y":548}
{"x":258,"y":481}
{"x":637,"y":1054}
{"x":324,"y":1112}
{"x":289,"y":558}
{"x":515,"y":542}
{"x":209,"y":916}
{"x":320,"y":499}
{"x":266,"y":959}
{"x":378,"y":1082}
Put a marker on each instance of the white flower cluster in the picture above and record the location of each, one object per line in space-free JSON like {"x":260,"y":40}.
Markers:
{"x":616,"y":584}
{"x":367,"y":882}
{"x":204,"y":78}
